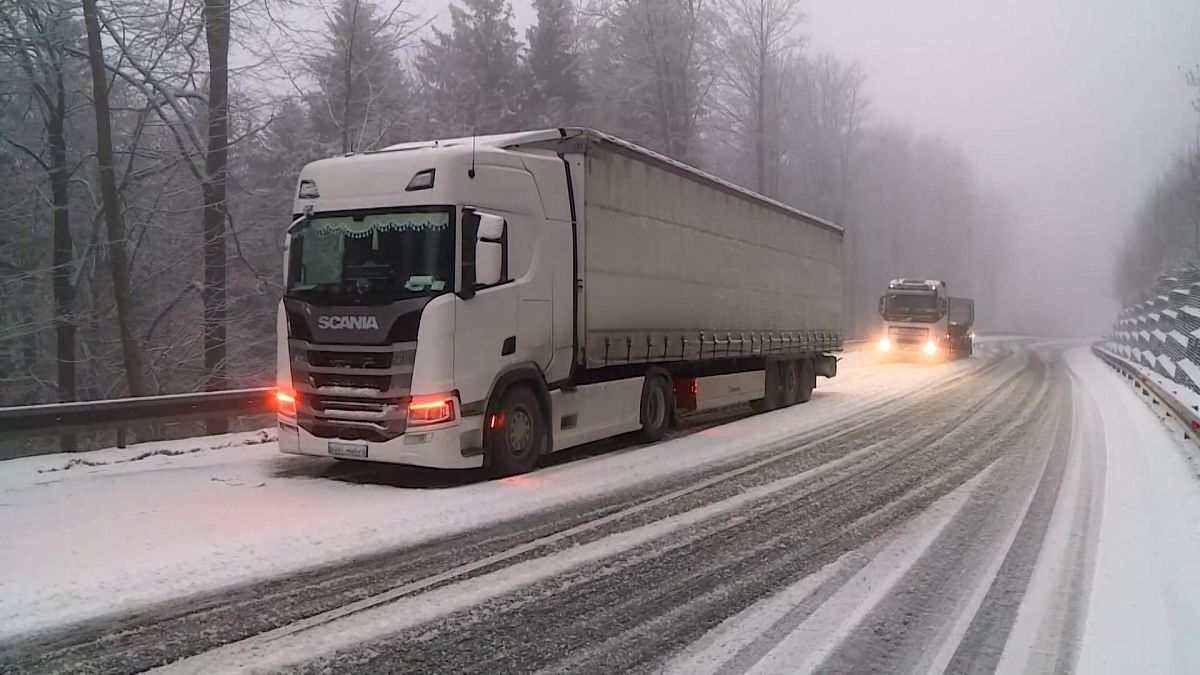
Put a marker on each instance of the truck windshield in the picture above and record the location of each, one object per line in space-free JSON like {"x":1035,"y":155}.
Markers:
{"x":372,"y":259}
{"x":911,"y":307}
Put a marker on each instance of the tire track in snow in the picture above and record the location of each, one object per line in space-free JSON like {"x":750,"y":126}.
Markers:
{"x":646,"y":599}
{"x":162,"y":634}
{"x":1050,"y":622}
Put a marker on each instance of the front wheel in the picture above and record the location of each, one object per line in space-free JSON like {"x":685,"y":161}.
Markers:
{"x":516,"y":435}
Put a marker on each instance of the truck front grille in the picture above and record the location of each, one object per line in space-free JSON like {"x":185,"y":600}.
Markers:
{"x":352,"y":392}
{"x":908,"y":336}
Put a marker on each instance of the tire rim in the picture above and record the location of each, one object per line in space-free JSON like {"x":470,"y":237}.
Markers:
{"x":520,"y":431}
{"x":656,"y":408}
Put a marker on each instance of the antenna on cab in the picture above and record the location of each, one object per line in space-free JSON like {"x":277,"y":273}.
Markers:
{"x":471,"y":171}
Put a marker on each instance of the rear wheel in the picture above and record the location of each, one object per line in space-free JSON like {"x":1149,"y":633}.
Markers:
{"x":516,"y":435}
{"x":658,"y":407}
{"x":790,"y":374}
{"x":773,"y":395}
{"x":808,"y":380}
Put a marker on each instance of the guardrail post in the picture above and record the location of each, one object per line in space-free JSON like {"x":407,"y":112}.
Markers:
{"x":121,"y":437}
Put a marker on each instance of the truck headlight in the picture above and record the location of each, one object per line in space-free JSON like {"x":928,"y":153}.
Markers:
{"x":884,"y":344}
{"x":435,"y":411}
{"x":931,"y":347}
{"x":285,"y":404}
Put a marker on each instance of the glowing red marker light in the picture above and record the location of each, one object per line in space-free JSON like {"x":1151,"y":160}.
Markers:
{"x":285,"y":403}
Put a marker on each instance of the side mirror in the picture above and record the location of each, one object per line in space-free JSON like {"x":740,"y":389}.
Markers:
{"x":484,"y":251}
{"x":489,"y":256}
{"x":943,"y":306}
{"x":490,"y":268}
{"x":882,"y":300}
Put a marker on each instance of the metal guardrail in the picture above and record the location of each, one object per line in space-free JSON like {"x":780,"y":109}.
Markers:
{"x":53,"y":419}
{"x":79,"y":416}
{"x":1188,"y":417}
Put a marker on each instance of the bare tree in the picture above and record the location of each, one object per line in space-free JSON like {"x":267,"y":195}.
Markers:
{"x":216,"y":159}
{"x":35,"y":37}
{"x":758,"y":44}
{"x":130,"y":345}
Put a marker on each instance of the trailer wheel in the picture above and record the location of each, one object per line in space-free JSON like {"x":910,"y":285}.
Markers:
{"x":658,"y":407}
{"x":772,"y":389}
{"x":808,"y":380}
{"x":515,"y":436}
{"x":790,"y":384}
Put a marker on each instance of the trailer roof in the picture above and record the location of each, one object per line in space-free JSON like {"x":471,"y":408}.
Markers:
{"x":578,"y":139}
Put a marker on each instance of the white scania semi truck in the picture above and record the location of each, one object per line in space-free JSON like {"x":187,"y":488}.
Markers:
{"x":921,"y":319}
{"x":482,"y":302}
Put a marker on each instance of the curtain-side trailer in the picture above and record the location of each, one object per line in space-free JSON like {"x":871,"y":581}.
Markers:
{"x":482,"y":302}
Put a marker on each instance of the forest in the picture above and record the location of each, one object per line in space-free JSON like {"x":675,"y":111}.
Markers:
{"x":1165,"y":231}
{"x":149,"y":152}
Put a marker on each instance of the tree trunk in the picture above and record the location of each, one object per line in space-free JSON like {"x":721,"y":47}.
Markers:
{"x":216,"y":33}
{"x":63,"y":254}
{"x":348,"y":82}
{"x":135,"y":370}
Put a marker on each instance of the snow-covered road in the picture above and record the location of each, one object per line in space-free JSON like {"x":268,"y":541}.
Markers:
{"x":1021,"y":511}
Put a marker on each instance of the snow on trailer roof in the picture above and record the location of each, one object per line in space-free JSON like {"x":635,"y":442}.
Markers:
{"x":1191,"y":311}
{"x":1178,"y":337}
{"x":577,"y":139}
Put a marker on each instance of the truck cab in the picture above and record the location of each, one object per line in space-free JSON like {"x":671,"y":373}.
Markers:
{"x":415,"y":278}
{"x":915,"y":318}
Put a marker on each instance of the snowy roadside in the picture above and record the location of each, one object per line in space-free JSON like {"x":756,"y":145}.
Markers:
{"x":1182,"y":393}
{"x":124,"y":528}
{"x":1144,"y":606}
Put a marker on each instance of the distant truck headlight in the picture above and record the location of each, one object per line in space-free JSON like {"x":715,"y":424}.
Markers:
{"x":885,"y":344}
{"x":931,"y":347}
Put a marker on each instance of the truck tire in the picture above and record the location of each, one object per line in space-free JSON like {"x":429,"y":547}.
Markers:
{"x":658,"y":407}
{"x":517,"y":440}
{"x":772,"y":389}
{"x":789,"y":372}
{"x":808,"y":380}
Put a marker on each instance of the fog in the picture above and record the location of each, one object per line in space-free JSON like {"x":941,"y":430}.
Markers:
{"x":1071,"y":109}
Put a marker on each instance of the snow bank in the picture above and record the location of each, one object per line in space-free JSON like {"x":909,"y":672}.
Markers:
{"x":1144,"y":609}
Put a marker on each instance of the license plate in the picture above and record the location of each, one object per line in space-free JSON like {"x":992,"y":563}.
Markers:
{"x":337,"y":449}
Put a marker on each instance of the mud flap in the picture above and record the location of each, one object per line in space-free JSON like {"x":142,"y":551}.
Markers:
{"x":825,"y":365}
